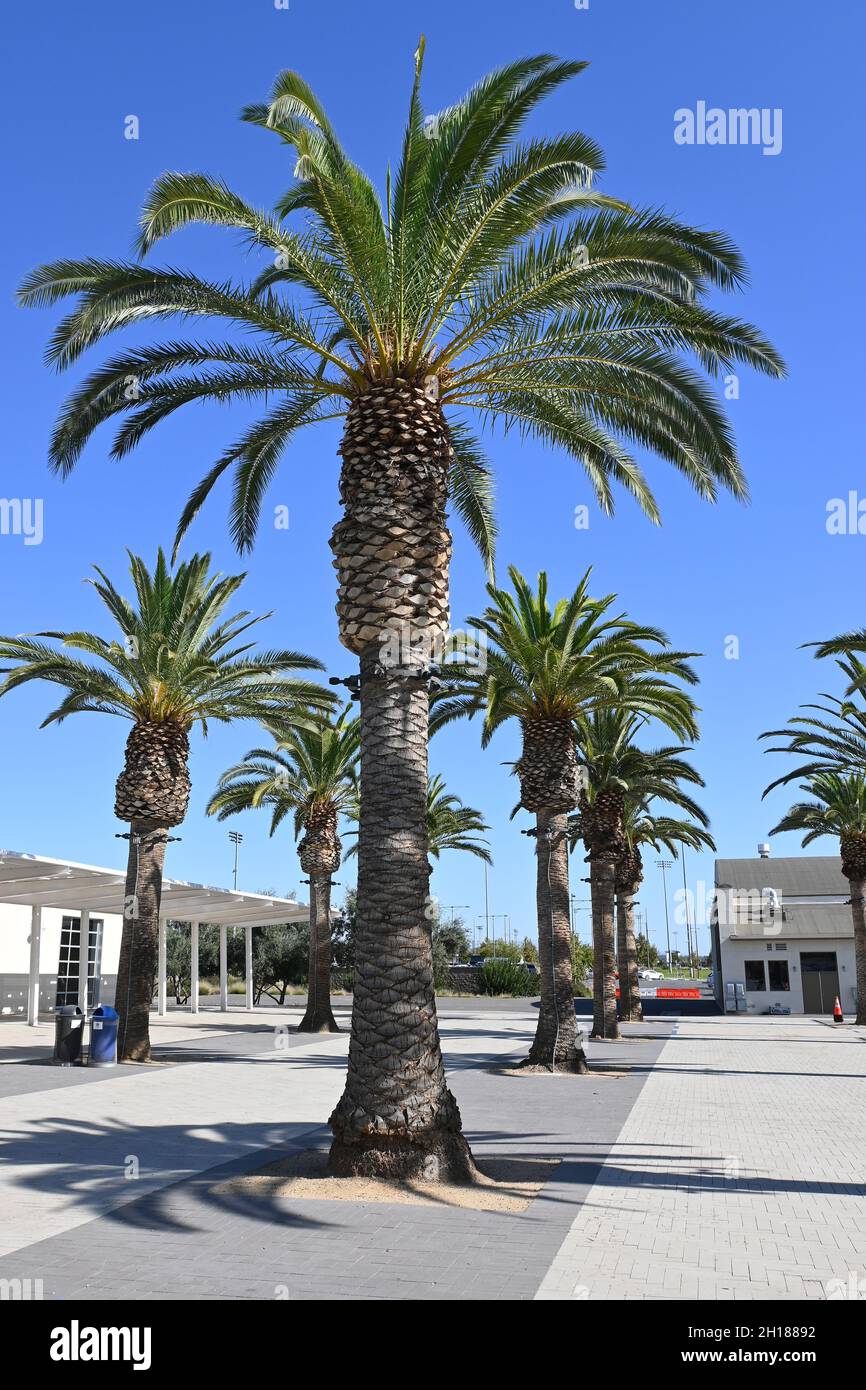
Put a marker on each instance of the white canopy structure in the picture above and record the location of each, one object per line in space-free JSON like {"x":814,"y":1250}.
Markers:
{"x":32,"y":881}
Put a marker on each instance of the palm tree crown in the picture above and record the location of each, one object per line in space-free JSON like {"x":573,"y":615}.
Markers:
{"x":838,"y":808}
{"x":312,"y":766}
{"x":611,"y":760}
{"x":491,"y":272}
{"x":558,"y":663}
{"x":178,"y":661}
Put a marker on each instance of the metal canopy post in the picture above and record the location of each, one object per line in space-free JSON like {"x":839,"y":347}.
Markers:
{"x":193,"y":967}
{"x":83,"y":958}
{"x":33,"y":979}
{"x":160,"y":971}
{"x":224,"y":975}
{"x":249,"y":966}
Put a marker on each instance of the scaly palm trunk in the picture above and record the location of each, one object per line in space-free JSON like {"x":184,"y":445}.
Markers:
{"x":396,"y":1116}
{"x":630,"y":1009}
{"x":139,"y":944}
{"x":858,"y":888}
{"x":556,"y":1043}
{"x":602,"y":872}
{"x":152,"y":794}
{"x":318,"y":1017}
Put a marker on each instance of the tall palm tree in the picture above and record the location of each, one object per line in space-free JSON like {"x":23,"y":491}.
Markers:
{"x":178,"y":661}
{"x":643,"y":825}
{"x":839,"y":808}
{"x":312,"y":772}
{"x":613,"y":766}
{"x":550,"y":669}
{"x":492,"y":278}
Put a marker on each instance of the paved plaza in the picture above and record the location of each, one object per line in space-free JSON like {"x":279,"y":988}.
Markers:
{"x":709,"y":1157}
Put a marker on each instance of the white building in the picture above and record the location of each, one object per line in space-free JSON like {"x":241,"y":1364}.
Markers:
{"x":47,"y":906}
{"x":782,"y":935}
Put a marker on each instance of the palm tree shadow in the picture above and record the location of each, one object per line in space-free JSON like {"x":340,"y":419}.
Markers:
{"x":150,"y":1176}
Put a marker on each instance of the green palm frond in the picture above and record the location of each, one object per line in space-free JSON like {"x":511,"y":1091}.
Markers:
{"x":830,"y":735}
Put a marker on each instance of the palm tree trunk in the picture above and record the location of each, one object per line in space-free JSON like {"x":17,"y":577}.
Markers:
{"x":630,"y":1010}
{"x":318,"y":1017}
{"x":556,"y":1044}
{"x":391,"y":549}
{"x":602,"y":872}
{"x":139,"y":943}
{"x":396,"y":1117}
{"x":858,"y":888}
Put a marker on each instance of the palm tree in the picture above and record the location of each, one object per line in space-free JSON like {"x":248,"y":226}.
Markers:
{"x":312,"y":772}
{"x":550,"y":669}
{"x":839,"y":808}
{"x":492,"y":279}
{"x":644,"y":826}
{"x":613,"y":766}
{"x":178,"y":662}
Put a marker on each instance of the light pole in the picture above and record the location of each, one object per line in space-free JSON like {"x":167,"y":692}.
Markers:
{"x":664,"y":865}
{"x":455,"y":907}
{"x":487,"y":914}
{"x":688,"y":918}
{"x":236,"y":838}
{"x":505,"y":918}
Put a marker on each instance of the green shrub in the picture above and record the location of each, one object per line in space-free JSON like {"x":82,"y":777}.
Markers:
{"x":506,"y":977}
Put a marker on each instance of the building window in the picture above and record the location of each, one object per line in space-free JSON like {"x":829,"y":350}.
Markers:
{"x":69,"y":964}
{"x":779,"y":975}
{"x":756,"y":982}
{"x":781,"y":945}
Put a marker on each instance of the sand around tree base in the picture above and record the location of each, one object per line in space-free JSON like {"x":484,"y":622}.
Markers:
{"x":504,"y":1184}
{"x":533,"y":1069}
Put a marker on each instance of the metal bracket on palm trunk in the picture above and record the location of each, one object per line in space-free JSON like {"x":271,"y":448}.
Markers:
{"x":148,"y":835}
{"x":428,"y":675}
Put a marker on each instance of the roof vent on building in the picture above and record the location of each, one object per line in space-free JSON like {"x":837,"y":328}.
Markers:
{"x":763,"y":851}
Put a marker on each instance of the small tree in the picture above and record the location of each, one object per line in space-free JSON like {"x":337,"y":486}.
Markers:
{"x":646,"y":952}
{"x":280,"y":956}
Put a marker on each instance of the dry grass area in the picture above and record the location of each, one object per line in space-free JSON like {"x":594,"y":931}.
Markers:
{"x":504,"y":1184}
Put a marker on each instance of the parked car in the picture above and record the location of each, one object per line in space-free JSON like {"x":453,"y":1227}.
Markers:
{"x":650,"y":975}
{"x":529,"y":965}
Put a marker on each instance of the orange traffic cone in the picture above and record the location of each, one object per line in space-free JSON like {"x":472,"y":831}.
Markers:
{"x":838,"y":1016}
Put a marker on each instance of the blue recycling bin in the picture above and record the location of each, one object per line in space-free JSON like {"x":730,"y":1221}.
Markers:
{"x":103,"y":1037}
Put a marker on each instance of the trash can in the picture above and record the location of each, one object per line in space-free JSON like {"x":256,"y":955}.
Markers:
{"x":103,"y":1037}
{"x":68,"y":1035}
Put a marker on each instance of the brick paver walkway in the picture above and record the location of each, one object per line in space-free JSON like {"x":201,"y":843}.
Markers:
{"x":739,"y":1173}
{"x":706,"y":1158}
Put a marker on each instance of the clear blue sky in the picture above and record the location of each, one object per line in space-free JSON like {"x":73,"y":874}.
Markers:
{"x":768,"y":574}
